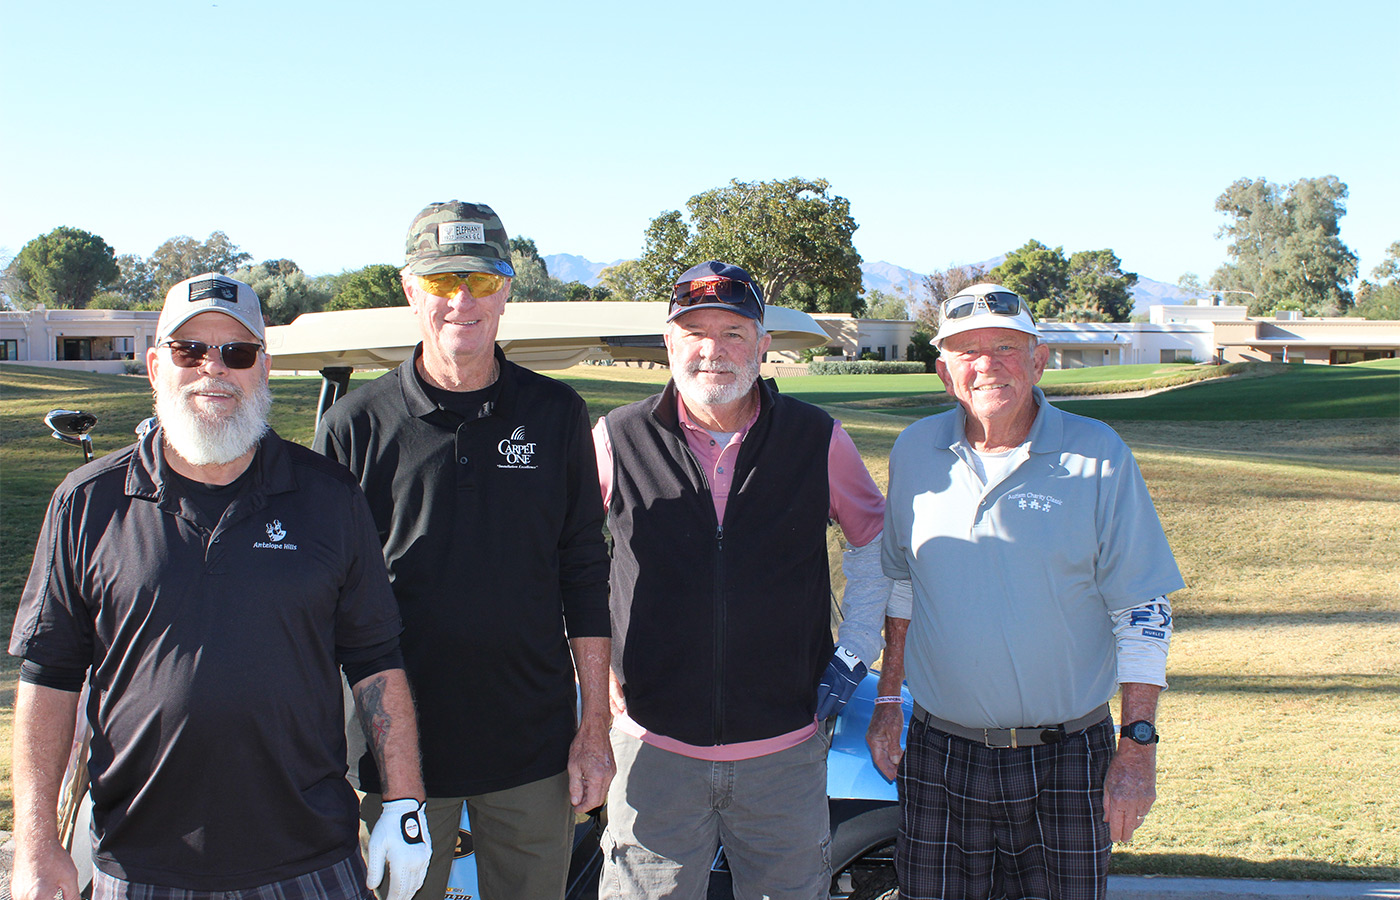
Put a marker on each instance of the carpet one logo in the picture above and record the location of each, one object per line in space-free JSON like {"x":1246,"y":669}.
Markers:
{"x":516,"y":452}
{"x":276,"y":535}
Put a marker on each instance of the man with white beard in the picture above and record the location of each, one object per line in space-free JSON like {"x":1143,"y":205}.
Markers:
{"x":214,"y":577}
{"x":719,"y":490}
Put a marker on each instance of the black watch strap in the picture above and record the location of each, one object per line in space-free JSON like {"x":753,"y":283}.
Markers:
{"x":1141,"y":731}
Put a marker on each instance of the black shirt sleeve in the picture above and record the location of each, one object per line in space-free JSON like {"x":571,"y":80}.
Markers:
{"x":60,"y":678}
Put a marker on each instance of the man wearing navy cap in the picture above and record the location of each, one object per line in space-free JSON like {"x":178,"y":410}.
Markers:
{"x":719,"y":490}
{"x":1031,"y":575}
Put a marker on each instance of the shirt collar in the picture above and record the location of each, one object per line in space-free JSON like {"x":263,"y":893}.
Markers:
{"x":1045,"y":435}
{"x":420,"y":405}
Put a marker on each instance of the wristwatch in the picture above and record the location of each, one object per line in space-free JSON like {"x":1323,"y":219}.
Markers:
{"x":1142,"y":731}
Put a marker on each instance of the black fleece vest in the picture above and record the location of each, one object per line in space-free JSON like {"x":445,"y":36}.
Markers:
{"x":720,"y":630}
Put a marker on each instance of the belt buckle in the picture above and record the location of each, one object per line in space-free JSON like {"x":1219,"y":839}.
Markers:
{"x":987,"y":739}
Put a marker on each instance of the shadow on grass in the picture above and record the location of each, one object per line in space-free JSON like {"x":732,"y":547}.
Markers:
{"x":1200,"y":865}
{"x":1298,"y":618}
{"x":1331,"y":685}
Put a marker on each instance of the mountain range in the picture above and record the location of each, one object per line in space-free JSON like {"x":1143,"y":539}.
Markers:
{"x":880,"y":276}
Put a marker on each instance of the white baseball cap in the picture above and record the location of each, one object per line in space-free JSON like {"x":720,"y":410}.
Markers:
{"x":984,"y":306}
{"x":210,"y":292}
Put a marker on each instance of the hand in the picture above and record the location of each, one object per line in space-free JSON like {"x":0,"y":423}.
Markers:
{"x":1129,"y":788}
{"x":401,"y":838}
{"x":591,"y":766}
{"x":886,"y":726}
{"x":617,"y":700}
{"x":838,"y":682}
{"x":42,"y":872}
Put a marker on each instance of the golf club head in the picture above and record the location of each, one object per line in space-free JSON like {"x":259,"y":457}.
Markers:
{"x":69,"y":423}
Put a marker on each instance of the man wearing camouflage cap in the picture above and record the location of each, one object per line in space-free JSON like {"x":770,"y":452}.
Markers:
{"x":482,"y":481}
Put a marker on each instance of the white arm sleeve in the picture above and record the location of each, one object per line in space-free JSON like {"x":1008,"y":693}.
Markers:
{"x":1143,"y":634}
{"x":863,"y":602}
{"x":901,"y":600}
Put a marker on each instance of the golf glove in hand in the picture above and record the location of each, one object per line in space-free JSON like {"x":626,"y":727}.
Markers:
{"x":401,"y":838}
{"x":838,"y":683}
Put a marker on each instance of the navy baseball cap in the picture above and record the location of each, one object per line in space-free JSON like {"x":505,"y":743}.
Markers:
{"x":716,"y":285}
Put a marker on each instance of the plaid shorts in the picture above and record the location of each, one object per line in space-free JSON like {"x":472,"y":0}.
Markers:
{"x":343,"y":881}
{"x":978,"y":823}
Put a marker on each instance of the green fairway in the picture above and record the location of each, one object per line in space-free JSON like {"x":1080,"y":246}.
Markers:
{"x":1357,"y":391}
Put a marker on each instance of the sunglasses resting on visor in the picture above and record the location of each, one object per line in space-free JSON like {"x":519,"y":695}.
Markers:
{"x":998,"y":303}
{"x":734,"y":293}
{"x":235,"y":354}
{"x":447,"y":284}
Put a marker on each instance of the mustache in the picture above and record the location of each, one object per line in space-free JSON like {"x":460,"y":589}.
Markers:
{"x":695,"y":367}
{"x":210,"y":384}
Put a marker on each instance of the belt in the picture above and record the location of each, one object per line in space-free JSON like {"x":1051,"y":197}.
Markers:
{"x":1012,"y":738}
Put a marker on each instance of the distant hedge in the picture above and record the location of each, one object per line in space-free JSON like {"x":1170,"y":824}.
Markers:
{"x":866,"y":367}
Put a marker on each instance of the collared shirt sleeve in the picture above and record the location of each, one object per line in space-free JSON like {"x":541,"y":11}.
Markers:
{"x":856,"y":502}
{"x":1133,"y":558}
{"x":367,"y":615}
{"x":583,"y":555}
{"x":53,"y":626}
{"x":602,"y":451}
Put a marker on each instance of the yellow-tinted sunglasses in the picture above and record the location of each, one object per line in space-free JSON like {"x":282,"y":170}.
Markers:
{"x":447,"y":284}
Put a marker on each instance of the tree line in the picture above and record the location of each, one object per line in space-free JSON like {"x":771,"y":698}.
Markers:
{"x":796,"y":237}
{"x":69,"y":268}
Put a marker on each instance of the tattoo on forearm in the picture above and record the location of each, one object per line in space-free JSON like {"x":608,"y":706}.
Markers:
{"x":375,"y":720}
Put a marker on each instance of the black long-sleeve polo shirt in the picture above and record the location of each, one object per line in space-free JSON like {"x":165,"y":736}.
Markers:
{"x":492,"y":532}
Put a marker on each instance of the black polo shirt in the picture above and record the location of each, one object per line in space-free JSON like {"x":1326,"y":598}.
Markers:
{"x":218,"y":756}
{"x":492,"y":526}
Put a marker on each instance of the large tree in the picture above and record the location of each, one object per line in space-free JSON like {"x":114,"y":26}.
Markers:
{"x":886,"y":304}
{"x":785,"y":233}
{"x":1098,"y":286}
{"x":624,"y":281}
{"x":1381,"y":299}
{"x":372,"y":287}
{"x":144,"y":282}
{"x":283,"y":288}
{"x":941,"y":285}
{"x":63,"y":268}
{"x":1040,"y":274}
{"x":1285,"y":245}
{"x":532,"y":281}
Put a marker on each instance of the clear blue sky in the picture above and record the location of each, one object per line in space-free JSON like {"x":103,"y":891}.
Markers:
{"x":315,"y":130}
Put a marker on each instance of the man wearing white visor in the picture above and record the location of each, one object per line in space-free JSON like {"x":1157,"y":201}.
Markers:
{"x":1031,"y":580}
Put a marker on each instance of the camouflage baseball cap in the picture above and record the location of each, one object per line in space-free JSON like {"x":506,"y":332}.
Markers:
{"x":458,"y":237}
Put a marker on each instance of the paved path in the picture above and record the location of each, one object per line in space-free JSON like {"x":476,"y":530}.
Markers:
{"x":1135,"y":887}
{"x":1120,"y":887}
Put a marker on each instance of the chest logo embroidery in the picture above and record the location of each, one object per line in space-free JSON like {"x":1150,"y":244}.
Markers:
{"x":1034,"y":503}
{"x":516,"y":452}
{"x":275,"y":534}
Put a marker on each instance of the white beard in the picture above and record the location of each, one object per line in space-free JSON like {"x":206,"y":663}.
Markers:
{"x":213,"y":441}
{"x":698,"y":393}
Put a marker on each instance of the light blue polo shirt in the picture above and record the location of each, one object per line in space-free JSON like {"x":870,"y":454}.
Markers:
{"x":1014,"y":582}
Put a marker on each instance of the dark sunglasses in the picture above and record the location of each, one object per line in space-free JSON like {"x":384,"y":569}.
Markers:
{"x":235,"y":354}
{"x":733,"y":293}
{"x":998,"y":303}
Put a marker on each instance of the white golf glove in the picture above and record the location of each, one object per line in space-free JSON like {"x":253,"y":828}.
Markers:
{"x":401,"y":838}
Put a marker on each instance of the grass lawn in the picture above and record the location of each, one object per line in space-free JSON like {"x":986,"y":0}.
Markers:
{"x":1281,"y":497}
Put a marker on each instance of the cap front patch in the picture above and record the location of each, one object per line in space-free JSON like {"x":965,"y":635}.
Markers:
{"x":213,"y":289}
{"x":461,"y":233}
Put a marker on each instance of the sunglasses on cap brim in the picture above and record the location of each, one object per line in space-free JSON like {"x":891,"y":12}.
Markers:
{"x":731,"y":293}
{"x":447,"y":284}
{"x":235,"y":354}
{"x":998,"y":303}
